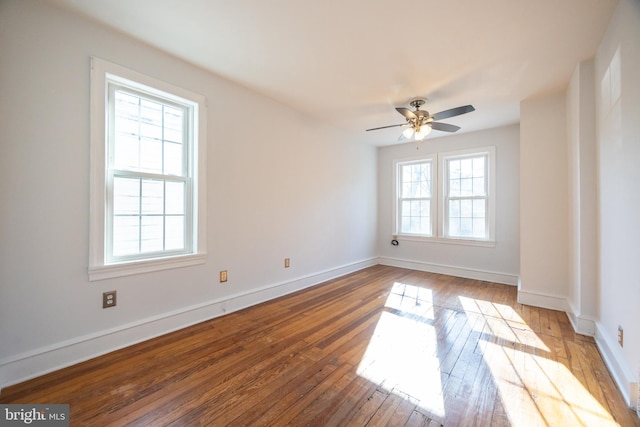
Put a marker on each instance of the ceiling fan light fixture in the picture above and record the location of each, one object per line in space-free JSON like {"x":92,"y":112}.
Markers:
{"x":421,"y":122}
{"x":422,"y":132}
{"x":408,"y":133}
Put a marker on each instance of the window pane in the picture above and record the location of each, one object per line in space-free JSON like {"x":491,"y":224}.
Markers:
{"x":150,"y":119}
{"x":174,"y":233}
{"x":479,"y":208}
{"x":425,"y":189}
{"x":151,"y":234}
{"x":126,"y":235}
{"x":405,"y":224}
{"x":454,"y":227}
{"x":454,"y":169}
{"x":466,"y":227}
{"x":406,"y":190}
{"x":174,"y":198}
{"x":466,"y":208}
{"x":454,"y":208}
{"x":425,"y":225}
{"x":152,"y":197}
{"x":406,"y":173}
{"x":466,"y":168}
{"x":173,"y":124}
{"x":126,"y":126}
{"x":126,"y":196}
{"x":479,"y":227}
{"x":151,"y":155}
{"x":173,"y":159}
{"x":454,"y":188}
{"x":479,"y":166}
{"x":151,"y":112}
{"x":466,"y":186}
{"x":478,"y":187}
{"x":127,"y":105}
{"x":416,"y":208}
{"x":126,"y":151}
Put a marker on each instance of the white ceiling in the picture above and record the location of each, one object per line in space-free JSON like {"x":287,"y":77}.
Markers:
{"x":350,"y":62}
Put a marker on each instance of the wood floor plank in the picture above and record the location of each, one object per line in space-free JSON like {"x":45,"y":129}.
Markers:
{"x":403,"y":411}
{"x":381,"y":346}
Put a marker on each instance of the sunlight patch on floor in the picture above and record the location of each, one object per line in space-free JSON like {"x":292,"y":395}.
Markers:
{"x":504,"y":323}
{"x":410,"y":299}
{"x":401,"y":354}
{"x":554,"y":396}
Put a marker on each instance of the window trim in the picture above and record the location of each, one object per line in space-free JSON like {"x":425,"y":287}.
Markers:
{"x":439,"y":196}
{"x":103,"y":72}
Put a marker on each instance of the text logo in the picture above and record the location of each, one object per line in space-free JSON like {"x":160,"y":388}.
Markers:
{"x":34,"y":415}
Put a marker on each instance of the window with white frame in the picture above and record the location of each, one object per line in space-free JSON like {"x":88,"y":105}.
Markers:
{"x":147,"y":173}
{"x":466,"y":196}
{"x":414,"y":209}
{"x":451,"y":199}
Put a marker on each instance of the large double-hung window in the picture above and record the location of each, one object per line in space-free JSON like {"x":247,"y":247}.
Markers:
{"x":466,"y":196}
{"x":447,"y":196}
{"x":149,"y":186}
{"x":147,"y":174}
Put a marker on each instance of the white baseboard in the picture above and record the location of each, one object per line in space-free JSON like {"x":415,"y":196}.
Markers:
{"x":584,"y":325}
{"x":468,"y":273}
{"x":552,"y":302}
{"x":43,"y":360}
{"x":622,"y":374}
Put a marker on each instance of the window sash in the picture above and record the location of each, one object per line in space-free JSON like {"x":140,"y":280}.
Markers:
{"x":156,"y":237}
{"x":464,"y":219}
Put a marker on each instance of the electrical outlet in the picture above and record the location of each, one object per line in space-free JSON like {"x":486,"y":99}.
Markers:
{"x":620,"y":336}
{"x":287,"y":263}
{"x":109,"y":299}
{"x":223,"y":276}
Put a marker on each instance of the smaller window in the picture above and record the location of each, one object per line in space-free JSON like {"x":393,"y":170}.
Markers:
{"x":415,"y":206}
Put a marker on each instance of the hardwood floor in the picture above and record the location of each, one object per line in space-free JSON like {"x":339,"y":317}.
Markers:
{"x":382,"y":346}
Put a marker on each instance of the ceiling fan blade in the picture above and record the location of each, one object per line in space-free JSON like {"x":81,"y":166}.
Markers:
{"x":390,"y":126}
{"x":453,"y":112}
{"x":408,"y":114}
{"x":444,"y":127}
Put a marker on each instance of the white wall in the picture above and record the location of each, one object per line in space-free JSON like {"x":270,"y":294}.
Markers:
{"x":544,"y":263}
{"x":618,"y":119}
{"x":278,"y":186}
{"x":499,"y":263}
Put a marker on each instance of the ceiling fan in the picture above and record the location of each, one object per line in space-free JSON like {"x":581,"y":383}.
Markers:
{"x":421,"y":123}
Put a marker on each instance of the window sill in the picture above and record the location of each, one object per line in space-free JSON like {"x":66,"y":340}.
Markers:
{"x":102,"y":272}
{"x":446,"y":241}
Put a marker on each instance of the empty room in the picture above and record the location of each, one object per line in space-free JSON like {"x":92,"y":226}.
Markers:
{"x":319,"y":213}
